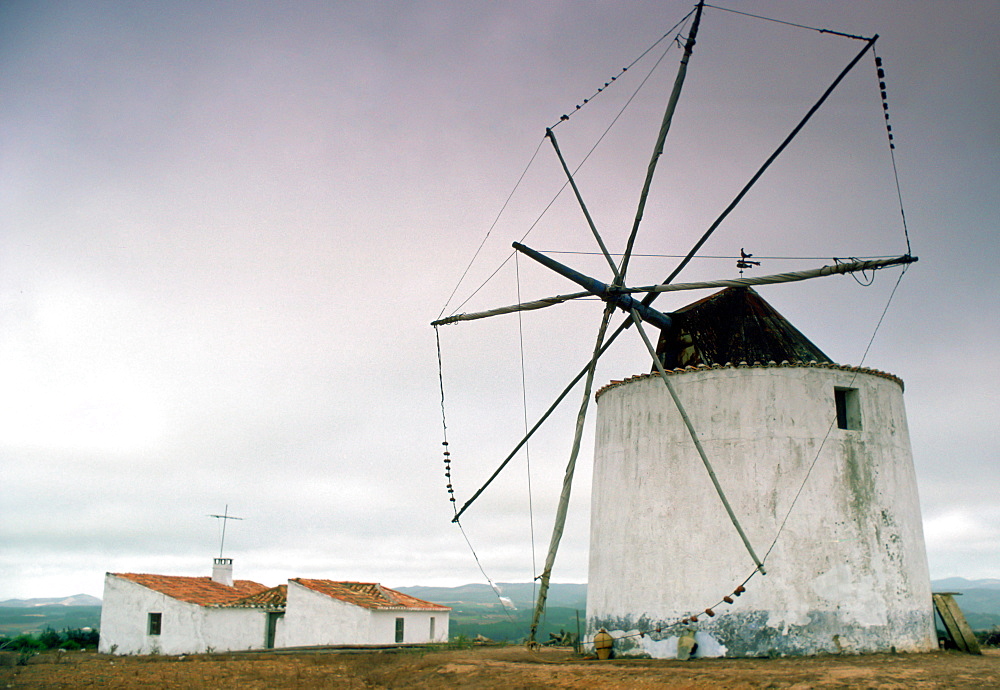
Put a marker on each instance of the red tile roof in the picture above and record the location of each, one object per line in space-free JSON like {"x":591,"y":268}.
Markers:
{"x":273,"y":598}
{"x":195,"y":590}
{"x":369,"y":595}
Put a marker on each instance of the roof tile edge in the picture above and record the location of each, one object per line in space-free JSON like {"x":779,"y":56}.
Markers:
{"x":756,"y":365}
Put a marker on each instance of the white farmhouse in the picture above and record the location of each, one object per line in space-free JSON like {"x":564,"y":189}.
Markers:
{"x":323,"y":612}
{"x":169,"y":614}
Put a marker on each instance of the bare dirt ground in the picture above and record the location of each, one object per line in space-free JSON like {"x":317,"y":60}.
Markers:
{"x":508,"y":668}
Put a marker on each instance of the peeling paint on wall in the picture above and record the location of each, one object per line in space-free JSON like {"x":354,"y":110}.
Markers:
{"x":849,"y":571}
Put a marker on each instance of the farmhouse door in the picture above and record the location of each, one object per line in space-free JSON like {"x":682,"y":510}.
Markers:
{"x":272,"y":626}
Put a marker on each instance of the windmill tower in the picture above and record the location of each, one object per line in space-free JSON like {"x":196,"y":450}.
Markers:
{"x":804,"y":459}
{"x":811,"y":450}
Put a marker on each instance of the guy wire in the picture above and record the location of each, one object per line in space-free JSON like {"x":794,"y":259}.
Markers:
{"x":819,"y":450}
{"x":524,"y":410}
{"x":562,"y":188}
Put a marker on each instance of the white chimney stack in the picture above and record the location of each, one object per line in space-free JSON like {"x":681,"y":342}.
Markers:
{"x":222,"y":571}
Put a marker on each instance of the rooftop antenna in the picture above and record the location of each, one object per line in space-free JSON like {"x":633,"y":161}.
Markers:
{"x":225,"y":516}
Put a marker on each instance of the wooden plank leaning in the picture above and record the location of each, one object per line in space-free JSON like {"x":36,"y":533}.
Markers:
{"x":954,"y":622}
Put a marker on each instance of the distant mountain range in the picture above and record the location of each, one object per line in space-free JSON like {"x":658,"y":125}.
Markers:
{"x":32,"y":616}
{"x":960,"y":584}
{"x":75,"y":600}
{"x":504,"y":613}
{"x":520,"y":594}
{"x":476,"y":608}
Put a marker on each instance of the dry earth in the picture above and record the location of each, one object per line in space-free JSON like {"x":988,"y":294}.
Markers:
{"x":496,"y":667}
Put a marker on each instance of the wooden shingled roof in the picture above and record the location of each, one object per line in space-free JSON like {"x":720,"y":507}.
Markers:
{"x":734,"y":325}
{"x":369,"y":595}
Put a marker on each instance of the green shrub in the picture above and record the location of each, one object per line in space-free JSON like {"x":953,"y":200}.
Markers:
{"x":85,"y":639}
{"x":50,"y":639}
{"x":989,"y":638}
{"x":24,"y":641}
{"x":460,"y":642}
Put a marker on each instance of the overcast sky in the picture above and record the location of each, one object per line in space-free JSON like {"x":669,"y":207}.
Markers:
{"x":226,"y":226}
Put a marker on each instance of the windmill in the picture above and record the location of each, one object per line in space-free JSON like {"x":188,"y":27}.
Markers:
{"x":618,"y":295}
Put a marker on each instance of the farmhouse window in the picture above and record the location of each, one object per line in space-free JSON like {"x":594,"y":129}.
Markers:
{"x":399,"y":630}
{"x":432,"y":628}
{"x":155,"y":621}
{"x":848,"y":408}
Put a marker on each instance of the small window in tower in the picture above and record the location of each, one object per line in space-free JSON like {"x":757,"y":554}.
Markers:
{"x":399,"y":630}
{"x":848,"y":408}
{"x":154,"y":623}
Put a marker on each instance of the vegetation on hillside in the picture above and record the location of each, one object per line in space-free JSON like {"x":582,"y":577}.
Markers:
{"x":27,"y":645}
{"x":477,"y":609}
{"x":989,"y":638}
{"x":512,"y":626}
{"x":36,"y":619}
{"x":69,"y":639}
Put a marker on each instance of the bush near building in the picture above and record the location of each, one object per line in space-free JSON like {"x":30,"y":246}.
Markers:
{"x":69,"y":639}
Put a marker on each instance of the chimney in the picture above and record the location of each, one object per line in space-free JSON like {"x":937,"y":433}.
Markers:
{"x":222,"y":571}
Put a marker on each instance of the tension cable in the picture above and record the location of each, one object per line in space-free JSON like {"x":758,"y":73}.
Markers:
{"x":787,"y":23}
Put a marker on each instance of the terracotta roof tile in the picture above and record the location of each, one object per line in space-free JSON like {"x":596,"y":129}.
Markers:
{"x":195,"y":590}
{"x":369,"y":595}
{"x":274,"y":598}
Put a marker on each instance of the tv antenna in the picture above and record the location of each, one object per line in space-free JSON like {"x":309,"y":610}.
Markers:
{"x":224,"y":517}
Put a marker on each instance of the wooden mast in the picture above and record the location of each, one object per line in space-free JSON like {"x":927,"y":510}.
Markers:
{"x":560,"y":521}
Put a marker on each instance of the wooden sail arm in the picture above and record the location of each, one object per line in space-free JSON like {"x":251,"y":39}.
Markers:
{"x":648,"y":299}
{"x":789,"y":277}
{"x":668,"y":116}
{"x":638,"y":310}
{"x":619,"y":278}
{"x":697,"y":444}
{"x":610,"y":294}
{"x":510,"y":309}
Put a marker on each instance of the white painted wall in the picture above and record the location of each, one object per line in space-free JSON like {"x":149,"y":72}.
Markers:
{"x":313,"y":618}
{"x":186,"y":628}
{"x":416,"y":626}
{"x":849,"y":572}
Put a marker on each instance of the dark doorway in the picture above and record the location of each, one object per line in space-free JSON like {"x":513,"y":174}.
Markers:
{"x":272,"y":626}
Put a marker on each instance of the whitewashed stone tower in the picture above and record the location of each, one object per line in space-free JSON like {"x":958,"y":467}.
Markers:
{"x":848,"y":571}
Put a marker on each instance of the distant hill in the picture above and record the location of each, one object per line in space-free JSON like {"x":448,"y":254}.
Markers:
{"x":522,"y":594}
{"x":15,"y":620}
{"x":960,"y":584}
{"x":478,"y":610}
{"x":75,"y":600}
{"x":59,"y":613}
